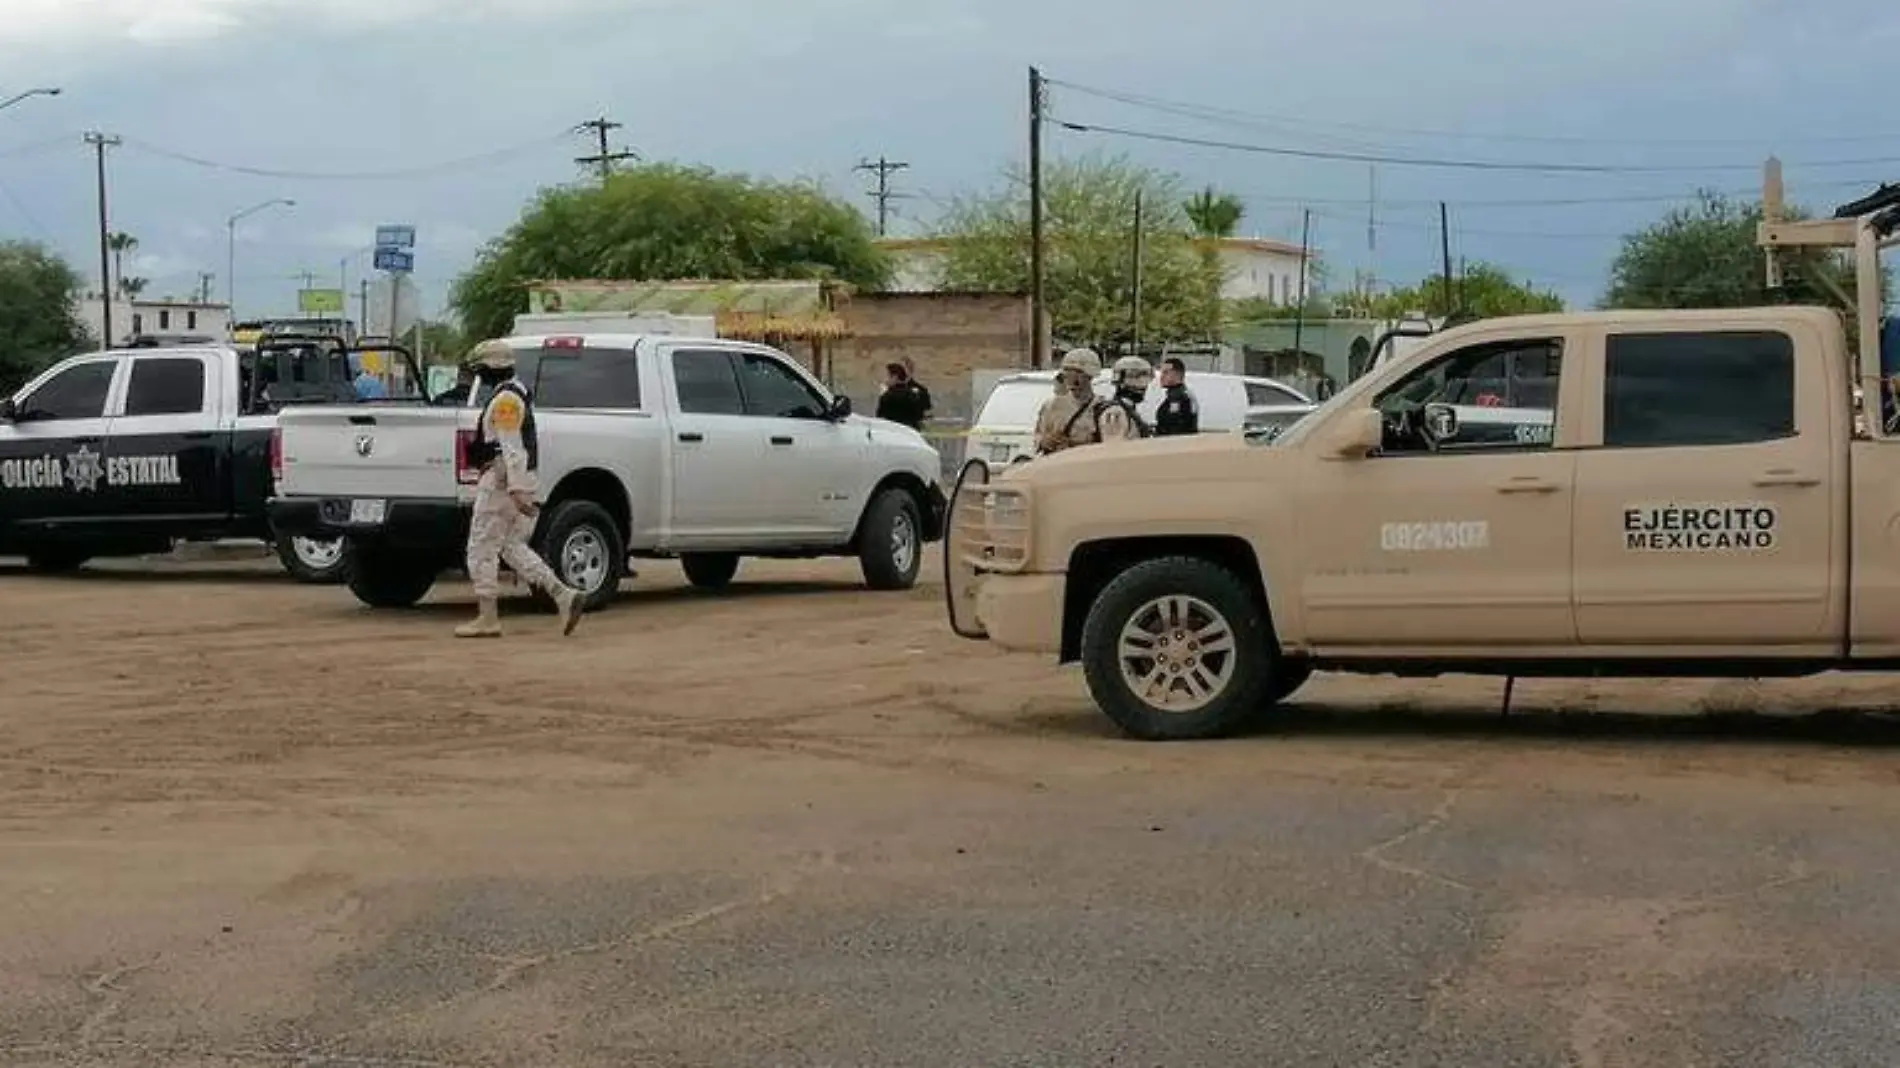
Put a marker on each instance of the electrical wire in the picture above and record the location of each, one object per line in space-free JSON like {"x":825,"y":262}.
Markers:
{"x":24,"y":212}
{"x":36,"y":147}
{"x":481,"y":159}
{"x":1445,"y":162}
{"x":1239,"y":117}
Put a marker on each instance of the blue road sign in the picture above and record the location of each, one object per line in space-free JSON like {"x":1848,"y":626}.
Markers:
{"x":395,"y":261}
{"x":395,"y":237}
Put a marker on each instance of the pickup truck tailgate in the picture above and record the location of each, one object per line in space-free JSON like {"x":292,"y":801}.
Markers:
{"x":368,"y":451}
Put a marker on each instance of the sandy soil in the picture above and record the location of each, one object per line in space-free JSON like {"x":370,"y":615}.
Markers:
{"x":246,"y":822}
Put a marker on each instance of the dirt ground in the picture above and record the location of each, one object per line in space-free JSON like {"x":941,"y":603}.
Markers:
{"x":245,"y":822}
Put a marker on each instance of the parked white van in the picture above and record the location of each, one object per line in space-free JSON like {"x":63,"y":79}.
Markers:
{"x":1005,"y":429}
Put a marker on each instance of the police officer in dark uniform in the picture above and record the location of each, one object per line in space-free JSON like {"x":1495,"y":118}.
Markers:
{"x":1180,"y":413}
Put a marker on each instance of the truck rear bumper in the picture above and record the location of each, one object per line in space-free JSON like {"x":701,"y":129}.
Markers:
{"x":429,"y":523}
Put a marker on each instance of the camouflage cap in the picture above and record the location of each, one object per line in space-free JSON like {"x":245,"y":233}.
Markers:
{"x":492,"y":353}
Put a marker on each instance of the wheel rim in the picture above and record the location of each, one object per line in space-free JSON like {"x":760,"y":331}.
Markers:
{"x":1177,"y":653}
{"x":317,"y":555}
{"x":584,"y":559}
{"x":903,"y":543}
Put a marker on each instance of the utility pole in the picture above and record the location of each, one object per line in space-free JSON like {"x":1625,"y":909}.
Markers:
{"x":362,"y":306}
{"x":100,"y":142}
{"x":205,"y":279}
{"x":1135,"y":317}
{"x":1038,"y":315}
{"x":1299,"y":308}
{"x":604,"y":158}
{"x":1444,"y":251}
{"x":883,"y":168}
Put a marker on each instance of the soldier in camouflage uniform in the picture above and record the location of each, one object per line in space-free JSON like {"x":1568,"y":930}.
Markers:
{"x":507,"y":450}
{"x":1120,"y":419}
{"x":1068,"y":418}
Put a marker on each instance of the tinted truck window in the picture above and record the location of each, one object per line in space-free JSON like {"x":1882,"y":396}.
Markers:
{"x":165,"y":386}
{"x":78,"y":392}
{"x":590,"y":378}
{"x":1676,"y":389}
{"x":707,"y":384}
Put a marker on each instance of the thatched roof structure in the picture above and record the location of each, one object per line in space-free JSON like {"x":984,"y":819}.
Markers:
{"x":751,"y":311}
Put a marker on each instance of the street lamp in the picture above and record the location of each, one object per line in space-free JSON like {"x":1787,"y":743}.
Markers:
{"x":12,"y":100}
{"x":230,"y":266}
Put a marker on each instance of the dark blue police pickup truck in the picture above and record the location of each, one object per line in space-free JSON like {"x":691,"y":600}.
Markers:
{"x":127,"y":452}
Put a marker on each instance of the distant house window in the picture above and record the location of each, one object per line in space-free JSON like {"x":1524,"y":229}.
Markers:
{"x":1269,"y":288}
{"x":138,"y":323}
{"x":1286,"y":287}
{"x":164,"y":319}
{"x":191,"y":320}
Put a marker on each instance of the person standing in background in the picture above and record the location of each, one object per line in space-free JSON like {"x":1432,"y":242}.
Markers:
{"x":904,"y":399}
{"x":1179,"y":413}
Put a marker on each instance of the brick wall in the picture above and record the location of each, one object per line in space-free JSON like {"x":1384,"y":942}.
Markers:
{"x":945,"y":335}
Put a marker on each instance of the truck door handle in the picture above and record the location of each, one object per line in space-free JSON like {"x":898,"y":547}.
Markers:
{"x":1527,"y":485}
{"x":781,"y":441}
{"x":1784,"y":477}
{"x":692,"y":437}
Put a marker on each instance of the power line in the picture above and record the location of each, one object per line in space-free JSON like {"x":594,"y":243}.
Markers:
{"x":1239,"y":117}
{"x":358,"y":176}
{"x":1544,"y":202}
{"x":1443,"y":162}
{"x":603,"y":158}
{"x":882,"y":195}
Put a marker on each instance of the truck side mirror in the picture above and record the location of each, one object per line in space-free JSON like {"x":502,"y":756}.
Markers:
{"x":1355,"y":434}
{"x":1441,"y":421}
{"x":840,"y":408}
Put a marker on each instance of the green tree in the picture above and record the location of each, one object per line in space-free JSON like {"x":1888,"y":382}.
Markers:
{"x":1089,"y":221}
{"x":1706,"y":256}
{"x":1481,"y":290}
{"x":665,"y":222}
{"x":122,"y":243}
{"x":1214,"y":214}
{"x":39,"y":324}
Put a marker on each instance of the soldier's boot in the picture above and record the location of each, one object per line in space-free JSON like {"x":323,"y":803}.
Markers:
{"x":486,"y":624}
{"x":571,"y":604}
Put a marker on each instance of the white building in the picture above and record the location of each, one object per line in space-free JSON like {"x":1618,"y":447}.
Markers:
{"x":1251,"y":267}
{"x":146,"y":315}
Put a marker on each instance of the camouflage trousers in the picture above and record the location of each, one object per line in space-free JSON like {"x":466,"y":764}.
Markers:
{"x":497,"y":532}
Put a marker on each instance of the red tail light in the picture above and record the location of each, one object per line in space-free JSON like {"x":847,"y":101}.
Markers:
{"x":562,"y":343}
{"x":276,"y":454}
{"x":466,"y":473}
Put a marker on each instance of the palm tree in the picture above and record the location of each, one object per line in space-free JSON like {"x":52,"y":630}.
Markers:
{"x":120,"y":244}
{"x":1214,"y":214}
{"x":132,"y":287}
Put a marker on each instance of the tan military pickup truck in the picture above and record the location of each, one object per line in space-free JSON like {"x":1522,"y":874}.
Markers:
{"x":1696,"y":497}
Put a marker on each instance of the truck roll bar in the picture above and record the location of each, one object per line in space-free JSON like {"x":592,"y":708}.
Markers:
{"x":1866,"y":226}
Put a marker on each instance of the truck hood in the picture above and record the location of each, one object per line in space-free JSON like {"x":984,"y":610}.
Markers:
{"x":1196,"y":457}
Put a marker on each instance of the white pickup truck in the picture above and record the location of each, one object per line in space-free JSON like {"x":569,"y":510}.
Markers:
{"x":703,"y":449}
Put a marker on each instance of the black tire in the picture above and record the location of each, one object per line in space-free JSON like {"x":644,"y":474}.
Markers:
{"x":580,"y":541}
{"x":1245,"y":673}
{"x":387,"y":578}
{"x":710,"y":571}
{"x":888,"y":562}
{"x":1288,"y":676}
{"x":57,"y":561}
{"x":317,"y":570}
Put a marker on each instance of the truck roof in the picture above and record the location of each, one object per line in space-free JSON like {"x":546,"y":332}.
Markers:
{"x":1644,"y":316}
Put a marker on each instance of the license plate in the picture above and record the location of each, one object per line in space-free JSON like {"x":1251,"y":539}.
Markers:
{"x":368,"y":512}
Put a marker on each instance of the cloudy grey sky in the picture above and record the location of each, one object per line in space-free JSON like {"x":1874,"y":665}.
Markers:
{"x":320,"y":89}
